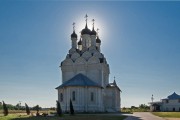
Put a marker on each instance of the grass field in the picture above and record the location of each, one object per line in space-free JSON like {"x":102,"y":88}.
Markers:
{"x":167,"y":114}
{"x":65,"y":117}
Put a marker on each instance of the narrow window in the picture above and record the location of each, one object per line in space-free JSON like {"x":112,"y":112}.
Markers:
{"x":167,"y":101}
{"x":92,"y":96}
{"x":73,"y":96}
{"x":61,"y":97}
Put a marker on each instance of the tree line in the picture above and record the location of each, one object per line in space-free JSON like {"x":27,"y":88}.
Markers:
{"x":6,"y":107}
{"x":141,"y":108}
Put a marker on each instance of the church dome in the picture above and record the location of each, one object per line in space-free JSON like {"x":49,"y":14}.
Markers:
{"x":98,"y":40}
{"x":80,"y":42}
{"x":86,"y":31}
{"x":73,"y":35}
{"x":93,"y":32}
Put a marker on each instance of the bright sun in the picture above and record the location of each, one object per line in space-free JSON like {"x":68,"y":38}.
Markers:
{"x":81,"y":22}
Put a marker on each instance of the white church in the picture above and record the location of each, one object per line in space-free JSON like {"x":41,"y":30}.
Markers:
{"x":169,"y":104}
{"x":85,"y":76}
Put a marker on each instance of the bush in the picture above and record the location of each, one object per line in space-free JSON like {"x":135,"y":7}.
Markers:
{"x":5,"y":109}
{"x":37,"y":109}
{"x":71,"y":108}
{"x":27,"y":109}
{"x":59,"y":110}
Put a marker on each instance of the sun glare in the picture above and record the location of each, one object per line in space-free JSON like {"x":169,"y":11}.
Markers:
{"x":98,"y":24}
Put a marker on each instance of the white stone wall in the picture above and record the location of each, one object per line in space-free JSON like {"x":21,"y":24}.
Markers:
{"x":112,"y":99}
{"x":86,"y":41}
{"x":82,"y":101}
{"x":172,"y":104}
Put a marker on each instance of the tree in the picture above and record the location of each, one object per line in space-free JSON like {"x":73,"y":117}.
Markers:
{"x":27,"y":109}
{"x":37,"y":109}
{"x":143,"y":106}
{"x":71,"y":108}
{"x":59,"y":110}
{"x":5,"y":109}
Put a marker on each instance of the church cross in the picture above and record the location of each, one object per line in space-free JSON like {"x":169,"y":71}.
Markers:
{"x":93,"y":22}
{"x":97,"y":31}
{"x":73,"y":26}
{"x":86,"y":17}
{"x":114,"y":77}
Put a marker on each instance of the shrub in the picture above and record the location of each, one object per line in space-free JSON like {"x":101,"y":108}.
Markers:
{"x":59,"y":110}
{"x":71,"y":108}
{"x":37,"y":109}
{"x":5,"y":109}
{"x":27,"y":109}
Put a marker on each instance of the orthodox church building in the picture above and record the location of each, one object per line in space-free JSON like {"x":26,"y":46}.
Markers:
{"x":85,"y":76}
{"x":169,"y":104}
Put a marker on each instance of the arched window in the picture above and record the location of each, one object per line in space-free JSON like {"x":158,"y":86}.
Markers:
{"x":61,"y":97}
{"x":73,"y":96}
{"x":92,"y":96}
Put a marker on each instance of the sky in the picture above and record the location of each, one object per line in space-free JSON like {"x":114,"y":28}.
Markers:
{"x":140,"y":40}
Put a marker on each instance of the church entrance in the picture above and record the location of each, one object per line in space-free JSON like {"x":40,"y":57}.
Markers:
{"x":156,"y":107}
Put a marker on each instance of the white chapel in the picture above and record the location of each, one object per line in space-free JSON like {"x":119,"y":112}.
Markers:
{"x":85,"y":76}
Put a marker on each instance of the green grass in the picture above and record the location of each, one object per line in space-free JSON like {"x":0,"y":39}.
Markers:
{"x":65,"y":117}
{"x":167,"y":114}
{"x":132,"y":110}
{"x":12,"y":116}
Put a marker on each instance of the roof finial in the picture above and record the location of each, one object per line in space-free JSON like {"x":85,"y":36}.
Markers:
{"x":114,"y":81}
{"x":86,"y":19}
{"x":93,"y":23}
{"x":73,"y":26}
{"x":152,"y":98}
{"x":97,"y":30}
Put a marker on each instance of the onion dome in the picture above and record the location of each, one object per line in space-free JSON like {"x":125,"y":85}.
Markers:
{"x":86,"y":30}
{"x":98,"y":40}
{"x":80,"y":42}
{"x":73,"y":35}
{"x":93,"y":32}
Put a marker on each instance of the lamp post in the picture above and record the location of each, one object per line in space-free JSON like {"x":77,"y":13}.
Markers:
{"x":152,"y":98}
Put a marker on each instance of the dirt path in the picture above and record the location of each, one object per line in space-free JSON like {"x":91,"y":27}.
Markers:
{"x":172,"y":118}
{"x":143,"y":116}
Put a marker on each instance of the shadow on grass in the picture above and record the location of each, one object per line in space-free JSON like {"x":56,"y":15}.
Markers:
{"x":133,"y":118}
{"x":38,"y":118}
{"x":75,"y":117}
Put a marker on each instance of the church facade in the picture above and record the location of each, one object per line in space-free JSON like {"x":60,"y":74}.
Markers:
{"x":85,"y":76}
